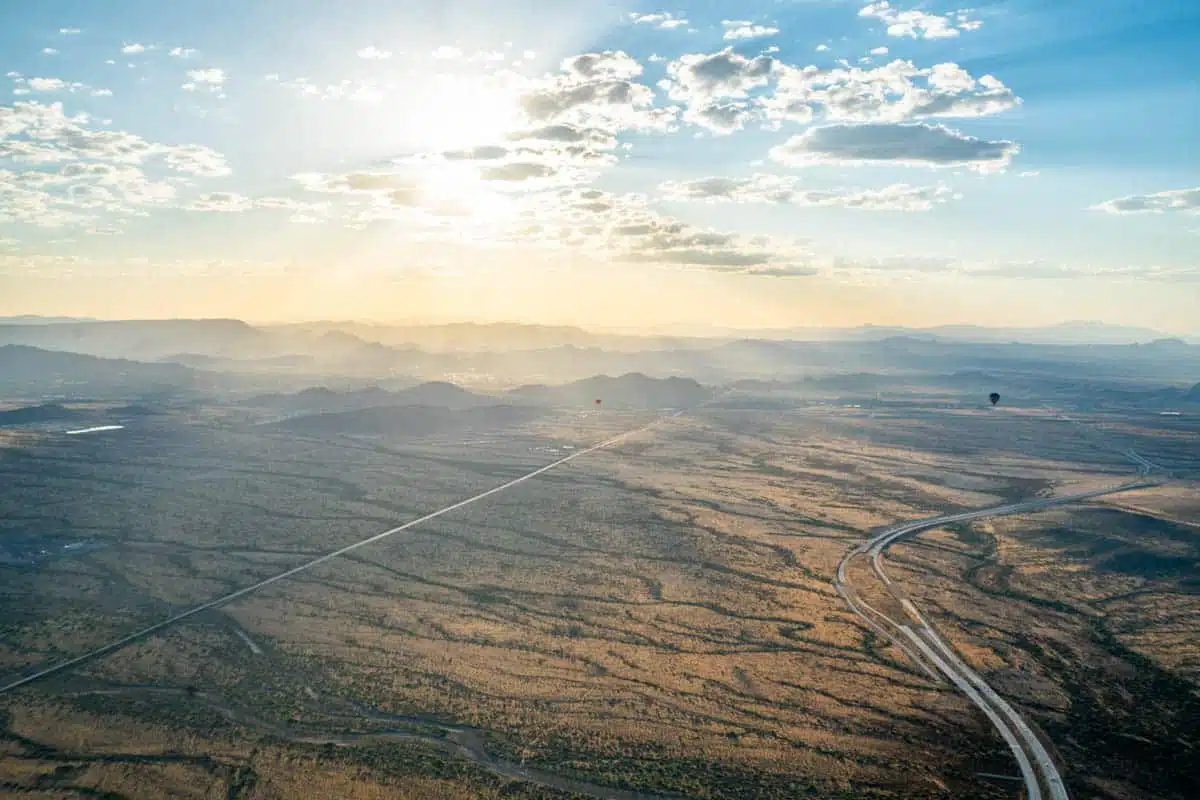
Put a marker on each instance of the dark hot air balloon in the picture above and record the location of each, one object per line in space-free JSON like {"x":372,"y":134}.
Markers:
{"x":597,"y":401}
{"x":994,"y":397}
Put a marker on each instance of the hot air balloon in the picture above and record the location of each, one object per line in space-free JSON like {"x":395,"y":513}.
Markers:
{"x":994,"y":397}
{"x":597,"y":401}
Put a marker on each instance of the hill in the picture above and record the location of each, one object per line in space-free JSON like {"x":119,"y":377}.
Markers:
{"x":47,"y":412}
{"x":25,"y":369}
{"x":320,"y":399}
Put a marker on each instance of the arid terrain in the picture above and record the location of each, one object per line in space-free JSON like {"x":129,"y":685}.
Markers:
{"x":656,"y":618}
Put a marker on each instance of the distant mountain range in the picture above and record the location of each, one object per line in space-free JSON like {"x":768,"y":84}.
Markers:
{"x":372,"y":345}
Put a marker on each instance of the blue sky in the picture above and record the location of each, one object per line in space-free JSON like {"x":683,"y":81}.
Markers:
{"x":805,"y":162}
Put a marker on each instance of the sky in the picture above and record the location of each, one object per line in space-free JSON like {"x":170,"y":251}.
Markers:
{"x":765,"y":163}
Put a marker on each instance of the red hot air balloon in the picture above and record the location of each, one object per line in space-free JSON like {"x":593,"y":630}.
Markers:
{"x":597,"y":401}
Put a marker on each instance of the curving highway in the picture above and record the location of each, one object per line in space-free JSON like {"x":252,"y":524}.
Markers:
{"x":916,"y":636}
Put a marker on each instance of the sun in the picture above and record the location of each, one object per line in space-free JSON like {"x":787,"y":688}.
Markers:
{"x":449,"y":112}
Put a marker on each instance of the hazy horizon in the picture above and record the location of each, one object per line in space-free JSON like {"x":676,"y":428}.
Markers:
{"x":699,"y":330}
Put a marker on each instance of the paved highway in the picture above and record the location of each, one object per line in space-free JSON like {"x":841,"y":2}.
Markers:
{"x":916,"y":636}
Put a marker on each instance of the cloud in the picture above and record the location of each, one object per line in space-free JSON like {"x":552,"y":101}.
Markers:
{"x":49,"y":51}
{"x":572,"y":134}
{"x":183,"y":52}
{"x":822,"y":48}
{"x":195,"y":159}
{"x":221,"y":201}
{"x":910,"y":145}
{"x":596,"y":90}
{"x":209,"y":80}
{"x":741,"y":30}
{"x":356,"y":182}
{"x":879,"y":51}
{"x":724,"y":74}
{"x":102,"y":93}
{"x":622,"y":227}
{"x":721,"y":118}
{"x":83,"y":177}
{"x":361,"y":91}
{"x":70,"y":31}
{"x":786,"y":189}
{"x":662,"y":20}
{"x":517,"y":171}
{"x":373,"y":53}
{"x":766,"y":89}
{"x":895,"y":92}
{"x":610,"y":64}
{"x":1180,"y":201}
{"x":446,"y":53}
{"x":46,"y":84}
{"x":213,"y":76}
{"x":133,"y":49}
{"x":235,"y":203}
{"x":919,"y":24}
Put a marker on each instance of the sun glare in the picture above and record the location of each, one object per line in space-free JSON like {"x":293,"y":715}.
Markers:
{"x":451,"y":112}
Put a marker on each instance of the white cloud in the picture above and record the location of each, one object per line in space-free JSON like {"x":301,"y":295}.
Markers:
{"x":724,"y":74}
{"x":46,"y":84}
{"x":786,"y":189}
{"x":69,"y":31}
{"x":895,"y":92}
{"x":49,"y":51}
{"x":183,"y":52}
{"x":209,"y":80}
{"x":741,"y":30}
{"x":446,"y":53}
{"x":360,"y":91}
{"x":662,"y":20}
{"x":1174,"y":201}
{"x":822,"y":48}
{"x":596,"y":90}
{"x":83,"y":177}
{"x":221,"y":201}
{"x":910,"y":145}
{"x":213,"y":76}
{"x":373,"y":53}
{"x":721,"y":118}
{"x":624,"y":228}
{"x":235,"y":203}
{"x":133,"y":49}
{"x":610,"y":64}
{"x":195,"y":159}
{"x":102,"y":93}
{"x":919,"y":24}
{"x":879,"y":51}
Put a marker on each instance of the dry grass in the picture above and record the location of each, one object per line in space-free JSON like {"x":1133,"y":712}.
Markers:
{"x":661,"y":612}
